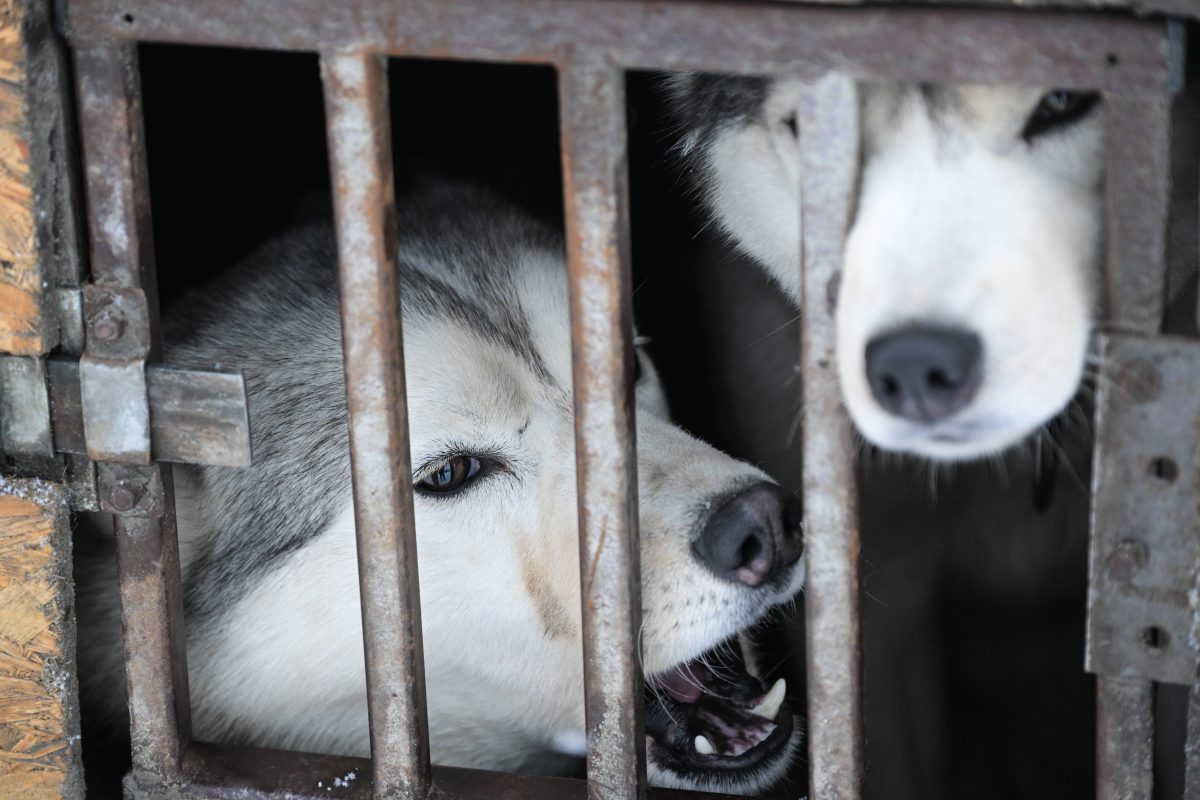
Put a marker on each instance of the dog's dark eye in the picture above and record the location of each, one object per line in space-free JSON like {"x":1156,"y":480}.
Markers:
{"x":1057,"y":109}
{"x":451,"y":475}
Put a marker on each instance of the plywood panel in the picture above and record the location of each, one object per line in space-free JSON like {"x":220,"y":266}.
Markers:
{"x":23,"y":312}
{"x":39,"y":720}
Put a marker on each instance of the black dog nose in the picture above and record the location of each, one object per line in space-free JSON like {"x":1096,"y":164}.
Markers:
{"x":923,"y":373}
{"x":754,"y":536}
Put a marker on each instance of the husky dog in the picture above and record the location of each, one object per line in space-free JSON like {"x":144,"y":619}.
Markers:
{"x":268,"y":552}
{"x":967,"y":298}
{"x":971,"y":270}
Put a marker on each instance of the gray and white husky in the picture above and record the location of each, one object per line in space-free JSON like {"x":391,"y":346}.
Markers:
{"x":274,"y":639}
{"x":972,"y":266}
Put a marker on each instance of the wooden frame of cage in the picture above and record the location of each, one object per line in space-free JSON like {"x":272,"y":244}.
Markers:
{"x":590,"y":43}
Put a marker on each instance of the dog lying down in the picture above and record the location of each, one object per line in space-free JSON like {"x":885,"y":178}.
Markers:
{"x":271,"y":599}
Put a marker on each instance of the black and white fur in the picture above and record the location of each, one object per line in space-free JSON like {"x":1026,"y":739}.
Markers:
{"x":268,"y":558}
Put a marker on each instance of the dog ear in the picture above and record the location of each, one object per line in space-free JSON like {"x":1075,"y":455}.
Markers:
{"x":1045,"y":473}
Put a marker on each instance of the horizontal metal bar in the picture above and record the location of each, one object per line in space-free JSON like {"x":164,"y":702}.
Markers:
{"x":1124,"y":739}
{"x":361,"y":162}
{"x":1182,"y":8}
{"x":196,"y":417}
{"x":218,"y":772}
{"x":25,"y":407}
{"x":592,"y":103}
{"x":1110,"y":52}
{"x":828,"y":116}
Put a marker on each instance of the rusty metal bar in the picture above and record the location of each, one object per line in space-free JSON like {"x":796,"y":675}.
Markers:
{"x":1112,"y":52}
{"x":1138,"y":166}
{"x":1137,"y":184}
{"x":829,"y":148}
{"x":110,"y":121}
{"x":109,"y":97}
{"x":219,"y":772}
{"x":592,"y":103}
{"x":152,"y":619}
{"x":1125,"y":739}
{"x":112,"y":368}
{"x":1191,"y":752}
{"x":361,"y":162}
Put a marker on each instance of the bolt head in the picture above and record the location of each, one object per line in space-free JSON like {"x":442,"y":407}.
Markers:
{"x":1127,"y":559}
{"x":122,"y":498}
{"x":108,"y":326}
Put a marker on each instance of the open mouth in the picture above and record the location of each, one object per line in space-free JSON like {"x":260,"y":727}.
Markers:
{"x":710,"y":720}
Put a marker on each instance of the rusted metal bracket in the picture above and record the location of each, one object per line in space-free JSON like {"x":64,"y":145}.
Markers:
{"x":116,"y":413}
{"x":1143,"y":595}
{"x":195,"y":416}
{"x":112,"y":374}
{"x":27,"y":433}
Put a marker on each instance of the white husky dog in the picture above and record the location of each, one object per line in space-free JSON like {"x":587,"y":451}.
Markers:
{"x":971,"y":271}
{"x":268,"y":554}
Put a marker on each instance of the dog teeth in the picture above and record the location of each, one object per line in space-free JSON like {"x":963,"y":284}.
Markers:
{"x":704,"y":746}
{"x":768,"y":707}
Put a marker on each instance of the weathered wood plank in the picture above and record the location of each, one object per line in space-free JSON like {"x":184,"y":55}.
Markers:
{"x":39,"y":707}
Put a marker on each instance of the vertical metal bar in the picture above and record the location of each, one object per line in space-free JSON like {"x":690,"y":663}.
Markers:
{"x":152,"y":619}
{"x":828,"y":116}
{"x":1191,"y":788}
{"x":118,"y":204}
{"x":592,"y":98}
{"x":114,"y":152}
{"x":361,"y":161}
{"x":1138,"y":190}
{"x":1125,"y":739}
{"x":1138,"y":172}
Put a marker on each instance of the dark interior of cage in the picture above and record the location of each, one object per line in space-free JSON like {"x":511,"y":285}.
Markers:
{"x":972,"y":605}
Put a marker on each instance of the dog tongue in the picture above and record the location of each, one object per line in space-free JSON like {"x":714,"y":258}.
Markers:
{"x":685,"y":683}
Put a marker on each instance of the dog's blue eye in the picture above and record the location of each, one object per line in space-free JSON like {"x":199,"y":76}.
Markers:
{"x":1058,"y":109}
{"x":451,"y":475}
